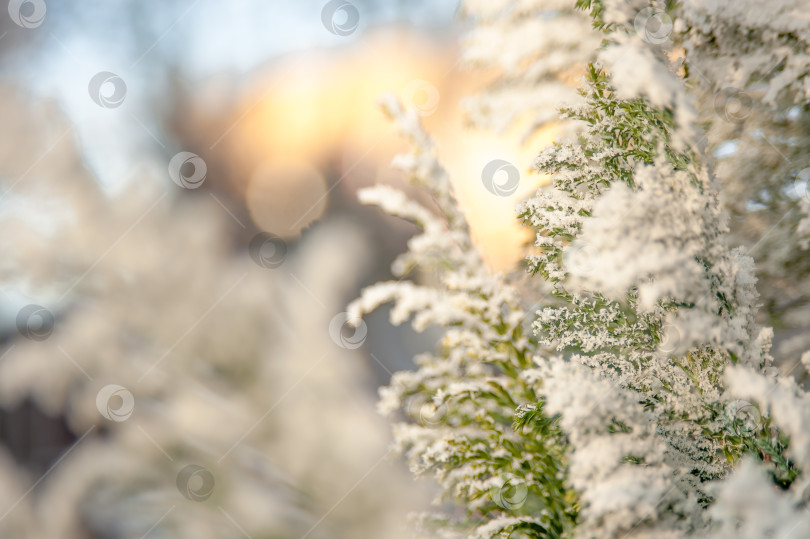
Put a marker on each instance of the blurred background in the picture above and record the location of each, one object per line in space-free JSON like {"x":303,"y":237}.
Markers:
{"x":180,"y":236}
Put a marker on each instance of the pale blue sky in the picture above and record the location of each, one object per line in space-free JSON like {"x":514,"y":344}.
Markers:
{"x":137,"y":39}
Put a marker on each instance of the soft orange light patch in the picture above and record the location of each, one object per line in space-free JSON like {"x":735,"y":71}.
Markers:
{"x":493,"y":220}
{"x":318,"y":112}
{"x":284,"y":197}
{"x":314,"y":105}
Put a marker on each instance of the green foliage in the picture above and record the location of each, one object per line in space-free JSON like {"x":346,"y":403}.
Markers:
{"x":489,"y":439}
{"x":615,"y":336}
{"x":531,"y":447}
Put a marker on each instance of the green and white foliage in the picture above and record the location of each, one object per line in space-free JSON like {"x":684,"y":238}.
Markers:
{"x":649,"y":297}
{"x":749,"y":43}
{"x":751,"y":68}
{"x":534,"y":48}
{"x":650,"y":391}
{"x":461,"y":401}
